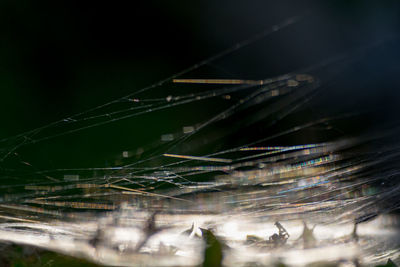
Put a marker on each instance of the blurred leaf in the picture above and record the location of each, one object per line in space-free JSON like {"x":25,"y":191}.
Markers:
{"x":213,"y":252}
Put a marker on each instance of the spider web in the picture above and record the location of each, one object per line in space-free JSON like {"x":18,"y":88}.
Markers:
{"x":196,"y":147}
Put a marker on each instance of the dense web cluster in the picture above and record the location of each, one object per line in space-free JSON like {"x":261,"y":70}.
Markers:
{"x":229,"y":155}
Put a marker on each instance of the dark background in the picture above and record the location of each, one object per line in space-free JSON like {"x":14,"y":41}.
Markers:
{"x":58,"y":58}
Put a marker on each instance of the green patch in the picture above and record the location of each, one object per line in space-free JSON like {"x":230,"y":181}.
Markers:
{"x":27,"y":256}
{"x":389,"y":263}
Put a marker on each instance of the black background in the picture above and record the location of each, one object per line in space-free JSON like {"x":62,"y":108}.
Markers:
{"x":61,"y":57}
{"x":58,"y":58}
